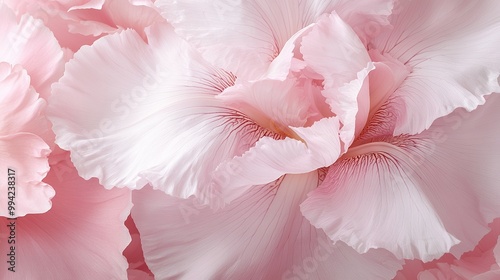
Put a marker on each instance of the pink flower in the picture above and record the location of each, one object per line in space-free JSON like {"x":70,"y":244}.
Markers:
{"x":293,"y":139}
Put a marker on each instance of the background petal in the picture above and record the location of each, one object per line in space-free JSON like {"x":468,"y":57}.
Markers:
{"x":81,"y":237}
{"x":24,"y":137}
{"x":28,"y":42}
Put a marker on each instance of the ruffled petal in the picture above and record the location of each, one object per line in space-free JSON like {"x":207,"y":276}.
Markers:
{"x":25,"y":156}
{"x":148,"y":114}
{"x":314,"y":147}
{"x":478,"y":264}
{"x":29,"y":43}
{"x":245,"y":36}
{"x":125,"y":14}
{"x":78,"y":23}
{"x":262,"y":235}
{"x":451,"y":48}
{"x":334,"y":51}
{"x":21,"y":108}
{"x":362,"y":199}
{"x":23,"y":135}
{"x":81,"y":237}
{"x":431,"y":184}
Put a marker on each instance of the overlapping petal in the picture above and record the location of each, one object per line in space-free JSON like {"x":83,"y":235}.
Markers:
{"x":429,"y":184}
{"x":482,"y":263}
{"x":262,"y":235}
{"x":314,"y":140}
{"x":158,"y":119}
{"x":272,"y":158}
{"x":334,"y":51}
{"x":245,"y":36}
{"x":81,"y":237}
{"x":451,"y":50}
{"x":77,"y":23}
{"x":28,"y":42}
{"x":23,"y":135}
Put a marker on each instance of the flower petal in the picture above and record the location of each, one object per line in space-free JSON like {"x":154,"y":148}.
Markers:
{"x":479,"y":264}
{"x":91,"y":4}
{"x":125,"y":15}
{"x":431,"y":184}
{"x":24,"y":133}
{"x":315,"y":147}
{"x":157,"y":119}
{"x":245,"y":36}
{"x":334,"y":51}
{"x":25,"y":154}
{"x":29,"y":43}
{"x":81,"y":237}
{"x":262,"y":235}
{"x":451,"y":48}
{"x":21,"y":109}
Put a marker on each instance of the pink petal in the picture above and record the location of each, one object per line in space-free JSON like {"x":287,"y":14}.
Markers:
{"x":275,"y":105}
{"x":158,"y":119}
{"x":29,"y":43}
{"x":56,"y":18}
{"x":314,"y":147}
{"x":334,"y":51}
{"x":288,"y":60}
{"x":127,"y":15}
{"x":478,"y":264}
{"x":387,"y":76}
{"x":77,"y":23}
{"x":81,"y":237}
{"x":262,"y":235}
{"x":90,"y":4}
{"x":245,"y":36}
{"x":22,"y":146}
{"x":451,"y":48}
{"x":430,"y":184}
{"x":25,"y":154}
{"x":21,"y":108}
